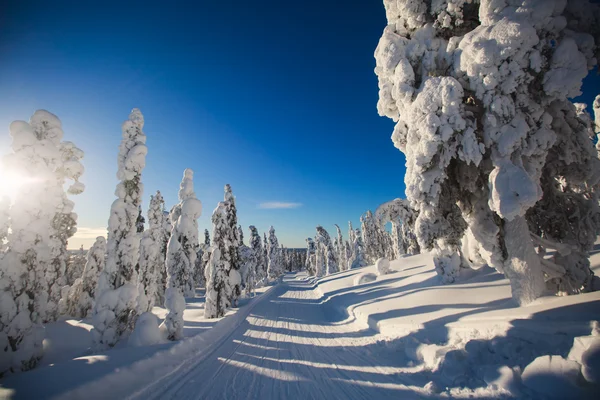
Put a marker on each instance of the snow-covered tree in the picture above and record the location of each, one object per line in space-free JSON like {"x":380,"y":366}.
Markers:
{"x":341,"y":250}
{"x":152,"y":261}
{"x":181,"y":255}
{"x":310,"y":262}
{"x":233,"y":241}
{"x":248,"y":269}
{"x":402,"y":216}
{"x":567,"y":217}
{"x":241,"y":234}
{"x":216,"y":273}
{"x":32,"y":267}
{"x":75,"y":266}
{"x":81,"y":295}
{"x":140,"y":220}
{"x":324,"y":244}
{"x":372,"y":237}
{"x":166,"y":235}
{"x":64,"y":224}
{"x":349,"y":254}
{"x":274,"y":257}
{"x":266,"y":253}
{"x":206,"y":238}
{"x":479,"y":93}
{"x":117,"y":293}
{"x":358,"y":257}
{"x":259,"y":256}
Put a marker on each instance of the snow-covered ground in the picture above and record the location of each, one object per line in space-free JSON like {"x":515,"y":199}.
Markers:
{"x":399,"y":335}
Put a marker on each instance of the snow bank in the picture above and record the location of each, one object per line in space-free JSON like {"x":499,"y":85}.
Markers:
{"x":382,"y":266}
{"x":552,"y":376}
{"x":471,"y":337}
{"x":365,"y":277}
{"x":146,"y":332}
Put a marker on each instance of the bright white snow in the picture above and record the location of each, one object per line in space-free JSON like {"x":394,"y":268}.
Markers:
{"x":401,"y":335}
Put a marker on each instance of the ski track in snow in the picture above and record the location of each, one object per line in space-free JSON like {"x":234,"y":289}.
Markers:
{"x":287,"y":347}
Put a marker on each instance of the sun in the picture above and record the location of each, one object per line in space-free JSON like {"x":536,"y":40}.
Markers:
{"x":11,"y":182}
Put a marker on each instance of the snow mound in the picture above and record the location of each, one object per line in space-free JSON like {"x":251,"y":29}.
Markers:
{"x":382,"y":266}
{"x":590,"y":362}
{"x":552,"y":376}
{"x":146,"y":332}
{"x":365,"y":277}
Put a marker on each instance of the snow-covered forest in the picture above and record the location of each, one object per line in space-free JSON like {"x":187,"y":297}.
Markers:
{"x":480,"y":281}
{"x":116,"y":284}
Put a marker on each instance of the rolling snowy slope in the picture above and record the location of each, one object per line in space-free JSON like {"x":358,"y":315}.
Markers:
{"x":402,"y":335}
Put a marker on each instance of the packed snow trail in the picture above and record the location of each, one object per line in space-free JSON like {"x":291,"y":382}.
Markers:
{"x":287,"y":347}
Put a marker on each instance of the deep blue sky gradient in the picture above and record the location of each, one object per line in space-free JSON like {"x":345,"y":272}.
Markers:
{"x":277,"y":98}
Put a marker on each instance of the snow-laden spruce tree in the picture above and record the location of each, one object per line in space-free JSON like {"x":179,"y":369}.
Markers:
{"x":479,"y":93}
{"x":402,"y":216}
{"x":233,"y":242}
{"x":140,"y":221}
{"x":358,"y":257}
{"x":152,"y":261}
{"x":373,"y":238}
{"x":266,"y":257}
{"x":117,"y":293}
{"x":32,"y":266}
{"x":75,"y":265}
{"x":81,"y":295}
{"x":341,"y":250}
{"x":324,"y":244}
{"x":181,"y":255}
{"x":310,"y":262}
{"x":166,"y":235}
{"x":274,"y":257}
{"x":248,"y":270}
{"x":216,"y":273}
{"x":206,"y":238}
{"x":259,"y":256}
{"x":241,"y":234}
{"x":64,"y":223}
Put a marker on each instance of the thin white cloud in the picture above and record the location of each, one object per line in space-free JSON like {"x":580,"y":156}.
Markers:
{"x":89,"y":233}
{"x":278,"y":205}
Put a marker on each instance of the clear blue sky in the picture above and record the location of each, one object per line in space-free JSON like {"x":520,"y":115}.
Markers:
{"x":277,"y":98}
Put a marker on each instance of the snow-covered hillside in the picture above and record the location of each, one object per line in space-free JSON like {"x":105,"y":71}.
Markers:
{"x":402,"y":335}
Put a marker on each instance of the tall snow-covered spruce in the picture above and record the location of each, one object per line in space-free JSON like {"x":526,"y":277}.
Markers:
{"x":479,"y":92}
{"x":216,"y":272}
{"x":326,"y":250}
{"x":152,"y":261}
{"x":274,"y":258}
{"x":41,"y":219}
{"x":258,"y":254}
{"x":233,"y":243}
{"x":117,"y":292}
{"x":181,"y":255}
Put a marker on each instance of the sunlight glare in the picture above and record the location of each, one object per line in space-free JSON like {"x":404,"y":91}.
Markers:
{"x":12,"y":182}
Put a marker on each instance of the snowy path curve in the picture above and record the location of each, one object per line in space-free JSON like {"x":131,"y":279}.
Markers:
{"x":287,"y":348}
